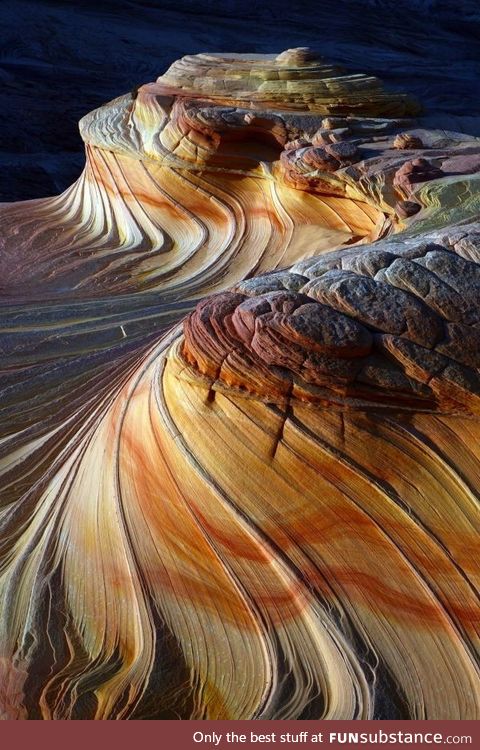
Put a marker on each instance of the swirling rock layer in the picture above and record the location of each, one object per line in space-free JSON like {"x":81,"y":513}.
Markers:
{"x":269,"y":510}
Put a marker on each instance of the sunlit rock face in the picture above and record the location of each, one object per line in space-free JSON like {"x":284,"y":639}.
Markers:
{"x":183,"y":190}
{"x":239,"y":426}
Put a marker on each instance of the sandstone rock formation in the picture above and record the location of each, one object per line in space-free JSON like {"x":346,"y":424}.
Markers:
{"x":239,"y":424}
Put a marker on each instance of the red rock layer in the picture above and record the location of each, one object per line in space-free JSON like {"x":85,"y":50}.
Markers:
{"x":393,"y":325}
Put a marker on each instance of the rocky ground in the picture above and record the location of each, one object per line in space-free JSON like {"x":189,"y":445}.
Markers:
{"x":239,"y":361}
{"x":59,"y":60}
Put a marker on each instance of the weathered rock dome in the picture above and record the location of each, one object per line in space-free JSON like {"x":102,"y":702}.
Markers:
{"x":239,"y":419}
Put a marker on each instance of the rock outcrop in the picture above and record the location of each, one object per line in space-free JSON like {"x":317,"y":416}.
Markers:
{"x":239,"y":419}
{"x":395,"y":324}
